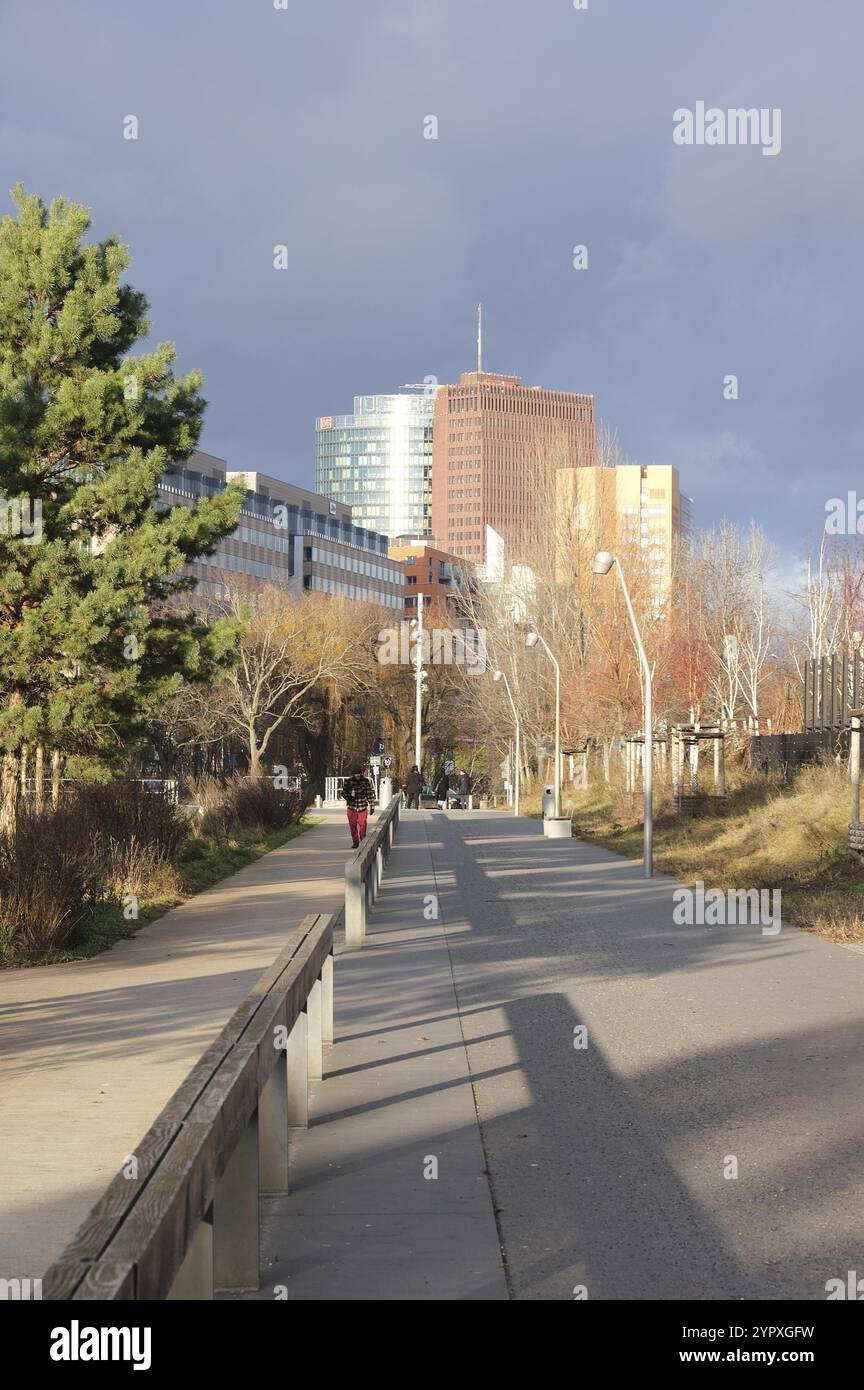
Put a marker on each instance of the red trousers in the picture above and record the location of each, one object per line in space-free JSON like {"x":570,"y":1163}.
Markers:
{"x":357,"y":825}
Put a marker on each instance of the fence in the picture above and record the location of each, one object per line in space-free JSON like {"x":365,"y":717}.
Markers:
{"x":782,"y":752}
{"x":332,"y":788}
{"x":364,"y":871}
{"x":187,"y":1221}
{"x":833,"y":687}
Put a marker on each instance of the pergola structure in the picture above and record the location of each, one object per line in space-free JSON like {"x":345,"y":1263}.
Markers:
{"x":684,"y":738}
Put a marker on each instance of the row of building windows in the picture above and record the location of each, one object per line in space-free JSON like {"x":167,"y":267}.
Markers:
{"x":325,"y":556}
{"x":266,"y":539}
{"x":238,"y":565}
{"x":527,"y":407}
{"x":321,"y":584}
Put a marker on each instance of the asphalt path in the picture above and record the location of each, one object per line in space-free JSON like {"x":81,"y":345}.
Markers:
{"x":709,"y":1050}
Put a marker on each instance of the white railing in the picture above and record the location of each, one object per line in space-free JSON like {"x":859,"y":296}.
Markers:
{"x":332,"y":788}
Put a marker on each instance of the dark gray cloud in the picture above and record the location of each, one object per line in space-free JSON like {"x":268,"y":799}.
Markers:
{"x":305,"y":127}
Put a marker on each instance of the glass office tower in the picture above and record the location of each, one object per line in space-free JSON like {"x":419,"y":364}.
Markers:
{"x":378,"y":462}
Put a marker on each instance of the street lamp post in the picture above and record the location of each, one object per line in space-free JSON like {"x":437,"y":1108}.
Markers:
{"x":418,"y":686}
{"x":603,"y":562}
{"x":531,"y":640}
{"x":500,"y":676}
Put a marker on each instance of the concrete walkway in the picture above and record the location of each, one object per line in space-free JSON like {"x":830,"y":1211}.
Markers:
{"x":390,"y":1197}
{"x":609,"y":1168}
{"x":92,"y":1050}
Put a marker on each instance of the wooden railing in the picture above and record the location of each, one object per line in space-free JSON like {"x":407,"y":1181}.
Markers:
{"x":182,"y":1217}
{"x":364,"y":871}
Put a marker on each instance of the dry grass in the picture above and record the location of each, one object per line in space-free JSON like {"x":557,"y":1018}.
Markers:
{"x":765,"y":835}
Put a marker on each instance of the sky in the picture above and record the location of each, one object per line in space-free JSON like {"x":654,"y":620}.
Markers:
{"x":305,"y":126}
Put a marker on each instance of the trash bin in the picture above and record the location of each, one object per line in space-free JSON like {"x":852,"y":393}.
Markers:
{"x":385,"y":791}
{"x":548,"y":802}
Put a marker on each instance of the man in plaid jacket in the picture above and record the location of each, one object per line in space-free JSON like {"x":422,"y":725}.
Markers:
{"x":357,"y":791}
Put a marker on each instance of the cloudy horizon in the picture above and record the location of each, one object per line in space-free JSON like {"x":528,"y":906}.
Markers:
{"x":304,"y":127}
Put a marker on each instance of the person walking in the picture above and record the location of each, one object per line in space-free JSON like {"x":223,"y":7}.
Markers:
{"x":465,"y":788}
{"x":357,"y":791}
{"x":442,"y":790}
{"x":414,"y":788}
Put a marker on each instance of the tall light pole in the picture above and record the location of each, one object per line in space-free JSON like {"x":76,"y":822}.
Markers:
{"x":500,"y":676}
{"x":603,"y":562}
{"x":418,"y":686}
{"x":531,"y":640}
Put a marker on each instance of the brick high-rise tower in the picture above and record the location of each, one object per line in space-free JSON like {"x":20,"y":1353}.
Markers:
{"x":489,"y":433}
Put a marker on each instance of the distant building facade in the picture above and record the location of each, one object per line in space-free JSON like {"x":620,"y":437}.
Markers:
{"x":436,"y":574}
{"x":640,"y":506}
{"x":287,"y":535}
{"x":488,"y":433}
{"x":378,"y":461}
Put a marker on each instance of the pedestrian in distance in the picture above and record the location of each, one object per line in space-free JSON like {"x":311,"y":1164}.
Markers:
{"x":442,"y":790}
{"x":465,"y":788}
{"x":357,"y":791}
{"x":414,"y":788}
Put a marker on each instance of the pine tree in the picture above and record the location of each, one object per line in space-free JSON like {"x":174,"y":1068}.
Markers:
{"x":91,"y":636}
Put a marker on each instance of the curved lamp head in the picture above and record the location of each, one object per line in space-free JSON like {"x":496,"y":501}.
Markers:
{"x":532,"y":639}
{"x":497,"y":676}
{"x":603,"y":562}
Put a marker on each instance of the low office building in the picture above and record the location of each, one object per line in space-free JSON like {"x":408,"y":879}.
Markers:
{"x":436,"y":574}
{"x":287,"y":535}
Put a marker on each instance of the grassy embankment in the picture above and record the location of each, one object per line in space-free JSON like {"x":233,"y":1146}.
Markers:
{"x":764,"y":835}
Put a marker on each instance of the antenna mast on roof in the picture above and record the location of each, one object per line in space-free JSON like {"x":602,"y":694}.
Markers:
{"x":479,"y":337}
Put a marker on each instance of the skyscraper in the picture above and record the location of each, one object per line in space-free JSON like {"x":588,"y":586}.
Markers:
{"x":378,"y":461}
{"x":490,"y":435}
{"x":640,"y":507}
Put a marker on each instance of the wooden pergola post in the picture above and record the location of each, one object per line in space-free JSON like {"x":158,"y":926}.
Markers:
{"x":855,"y":764}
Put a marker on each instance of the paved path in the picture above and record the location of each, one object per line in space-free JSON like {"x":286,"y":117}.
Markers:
{"x":92,"y":1050}
{"x":363,"y":1220}
{"x":605,"y":1165}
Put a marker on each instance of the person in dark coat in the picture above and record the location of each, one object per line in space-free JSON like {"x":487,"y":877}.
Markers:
{"x":442,"y":789}
{"x":465,"y":788}
{"x":414,"y":788}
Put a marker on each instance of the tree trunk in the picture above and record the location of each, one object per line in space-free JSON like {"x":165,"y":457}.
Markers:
{"x":607,"y":759}
{"x":10,"y":791}
{"x":254,"y":761}
{"x":39,"y":777}
{"x":55,"y":777}
{"x":25,"y":758}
